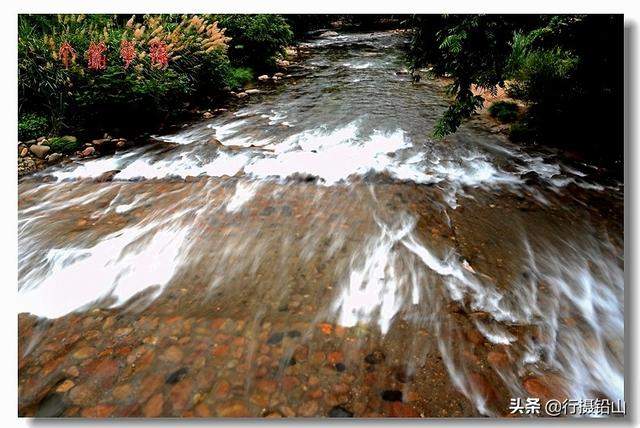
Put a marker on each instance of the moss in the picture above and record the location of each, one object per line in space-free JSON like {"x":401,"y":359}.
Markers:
{"x":66,"y":144}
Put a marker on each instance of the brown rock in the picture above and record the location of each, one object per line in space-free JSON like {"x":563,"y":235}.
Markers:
{"x":202,"y":411}
{"x":153,"y":408}
{"x":267,"y":385}
{"x":498,"y":359}
{"x":84,"y":352}
{"x":122,"y":392}
{"x":83,"y":395}
{"x":308,"y":409}
{"x":65,"y":386}
{"x":222,"y":389}
{"x":172,"y":354}
{"x":99,"y":411}
{"x":88,"y":151}
{"x":232,"y":410}
{"x":335,"y":357}
{"x":180,"y":394}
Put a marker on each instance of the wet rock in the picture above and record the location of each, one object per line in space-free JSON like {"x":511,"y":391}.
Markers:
{"x":531,"y":178}
{"x":391,"y":395}
{"x":88,"y":151}
{"x":263,"y":78}
{"x":83,"y":395}
{"x":99,"y":411}
{"x":84,"y":352}
{"x":498,"y":359}
{"x":232,"y":410}
{"x":339,"y":412}
{"x":207,"y":115}
{"x":106,"y":176}
{"x":252,"y":91}
{"x":122,"y":392}
{"x":202,"y":411}
{"x":308,"y":409}
{"x":52,"y":406}
{"x":329,"y":34}
{"x":54,"y":157}
{"x":241,"y":95}
{"x":403,"y":410}
{"x":537,"y":388}
{"x":154,"y":406}
{"x":172,"y":354}
{"x":340,"y":367}
{"x":176,"y":376}
{"x":39,"y":151}
{"x":275,"y":338}
{"x":376,"y":357}
{"x":294,"y":334}
{"x":267,"y":211}
{"x":335,"y":357}
{"x":65,"y":386}
{"x":267,"y":385}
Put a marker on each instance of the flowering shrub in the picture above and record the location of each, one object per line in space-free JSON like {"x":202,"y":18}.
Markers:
{"x":100,"y":70}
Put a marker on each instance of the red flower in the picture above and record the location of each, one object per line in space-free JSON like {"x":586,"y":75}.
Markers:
{"x":127,"y":52}
{"x":158,"y":53}
{"x":66,"y":53}
{"x":95,"y":57}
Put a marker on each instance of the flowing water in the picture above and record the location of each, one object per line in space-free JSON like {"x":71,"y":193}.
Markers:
{"x":314,"y":252}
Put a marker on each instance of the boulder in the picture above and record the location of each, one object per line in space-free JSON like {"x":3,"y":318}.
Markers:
{"x":252,"y":91}
{"x":242,"y":95}
{"x":329,"y":34}
{"x":39,"y":151}
{"x":40,"y":139}
{"x":207,"y":115}
{"x":278,"y":74}
{"x":88,"y":151}
{"x":24,"y":151}
{"x":263,"y":78}
{"x":54,"y":157}
{"x":121,"y":143}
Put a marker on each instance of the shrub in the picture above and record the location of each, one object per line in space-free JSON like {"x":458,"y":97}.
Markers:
{"x":239,"y":76}
{"x":31,"y":126}
{"x":256,"y":40}
{"x":121,"y":93}
{"x":66,"y":144}
{"x":504,"y":111}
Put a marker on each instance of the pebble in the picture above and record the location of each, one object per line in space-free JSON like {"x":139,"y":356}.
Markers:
{"x":65,"y":386}
{"x":275,"y":338}
{"x":172,"y":354}
{"x":232,"y":410}
{"x":308,"y":409}
{"x":376,"y":357}
{"x":154,"y":406}
{"x":339,"y":412}
{"x":176,"y":376}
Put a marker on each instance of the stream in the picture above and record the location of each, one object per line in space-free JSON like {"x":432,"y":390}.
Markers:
{"x":314,"y":252}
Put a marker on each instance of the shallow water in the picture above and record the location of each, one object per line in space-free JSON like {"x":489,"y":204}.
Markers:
{"x":314,"y":252}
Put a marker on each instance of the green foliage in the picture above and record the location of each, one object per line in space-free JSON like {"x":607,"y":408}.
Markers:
{"x":31,"y":126}
{"x":239,"y":76}
{"x":504,"y":111}
{"x":66,"y":144}
{"x":568,"y":69}
{"x":256,"y":40}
